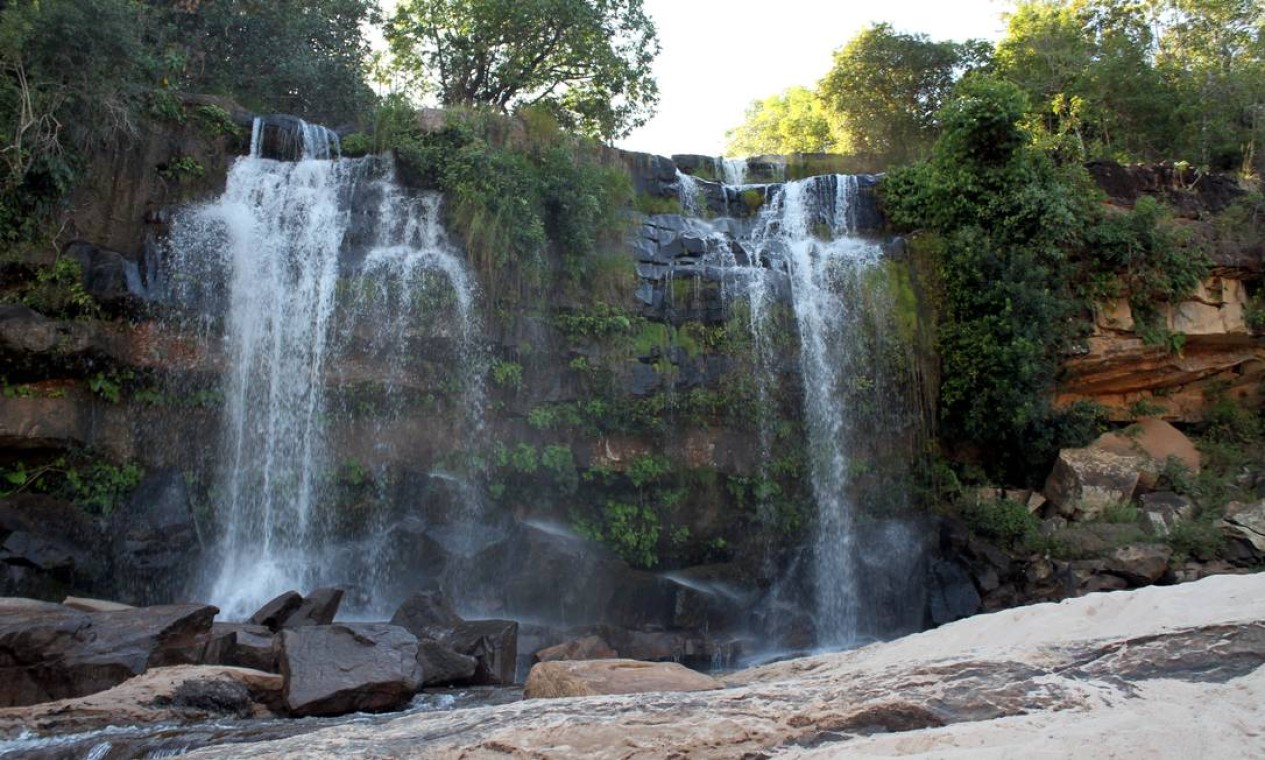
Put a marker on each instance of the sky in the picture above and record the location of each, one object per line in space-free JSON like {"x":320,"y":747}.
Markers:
{"x":720,"y":55}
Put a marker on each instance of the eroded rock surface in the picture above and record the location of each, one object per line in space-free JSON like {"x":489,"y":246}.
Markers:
{"x":1060,"y":678}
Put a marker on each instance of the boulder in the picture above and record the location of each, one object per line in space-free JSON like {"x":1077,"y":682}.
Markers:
{"x":1140,"y":564}
{"x":441,"y":666}
{"x":1164,"y":510}
{"x":549,"y":680}
{"x":339,"y":669}
{"x":952,"y":594}
{"x":50,"y":652}
{"x":493,"y":644}
{"x":243,"y":645}
{"x":587,"y":648}
{"x":1154,"y":438}
{"x":1084,"y":482}
{"x":108,"y":276}
{"x":1245,"y":523}
{"x":427,"y":614}
{"x":277,"y":611}
{"x":49,"y":548}
{"x":317,"y":608}
{"x":163,"y":695}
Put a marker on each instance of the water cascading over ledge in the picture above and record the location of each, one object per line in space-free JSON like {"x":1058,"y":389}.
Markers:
{"x":307,"y":275}
{"x":860,"y":574}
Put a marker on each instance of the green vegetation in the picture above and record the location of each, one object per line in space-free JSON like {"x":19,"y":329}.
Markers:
{"x":588,"y":63}
{"x":794,"y":122}
{"x":95,"y":484}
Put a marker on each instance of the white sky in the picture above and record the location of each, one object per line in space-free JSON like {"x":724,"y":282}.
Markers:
{"x":719,"y":55}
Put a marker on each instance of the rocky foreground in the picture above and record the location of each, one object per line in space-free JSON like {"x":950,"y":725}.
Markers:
{"x":1158,"y":672}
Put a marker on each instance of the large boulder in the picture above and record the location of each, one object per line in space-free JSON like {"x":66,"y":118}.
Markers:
{"x":49,"y":548}
{"x":493,"y":644}
{"x":1084,"y":482}
{"x":339,"y":669}
{"x":953,"y":595}
{"x":1156,"y":439}
{"x":592,"y":677}
{"x":163,"y":695}
{"x":50,"y":652}
{"x":441,"y":666}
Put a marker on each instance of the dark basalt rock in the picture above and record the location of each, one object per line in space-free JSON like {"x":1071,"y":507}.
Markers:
{"x":339,"y":669}
{"x":156,"y":542}
{"x":50,"y":652}
{"x":442,"y":666}
{"x":277,"y":611}
{"x":317,"y":608}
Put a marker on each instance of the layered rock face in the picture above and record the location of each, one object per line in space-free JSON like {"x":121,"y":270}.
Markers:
{"x":1222,"y":351}
{"x":1079,"y":678}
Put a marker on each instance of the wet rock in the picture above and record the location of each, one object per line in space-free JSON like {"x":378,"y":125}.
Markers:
{"x":317,"y":608}
{"x":156,"y":542}
{"x":587,"y":648}
{"x":108,"y":276}
{"x":163,"y":695}
{"x":441,"y":666}
{"x":494,"y":646}
{"x":427,"y":614}
{"x":339,"y":669}
{"x":1072,"y":679}
{"x":549,"y":680}
{"x":54,"y":652}
{"x":952,"y":594}
{"x":32,"y":345}
{"x":50,"y":548}
{"x":1084,"y":482}
{"x":243,"y":645}
{"x":277,"y":611}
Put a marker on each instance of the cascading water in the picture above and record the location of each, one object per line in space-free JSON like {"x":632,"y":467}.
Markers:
{"x":802,"y":249}
{"x":266,"y":269}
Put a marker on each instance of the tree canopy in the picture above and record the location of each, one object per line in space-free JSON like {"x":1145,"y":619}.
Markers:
{"x":794,"y":122}
{"x":588,"y":60}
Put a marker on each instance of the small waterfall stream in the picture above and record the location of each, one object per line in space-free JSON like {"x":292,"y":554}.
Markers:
{"x":266,"y":270}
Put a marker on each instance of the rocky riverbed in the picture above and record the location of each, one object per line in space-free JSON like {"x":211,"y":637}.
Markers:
{"x":1156,"y":672}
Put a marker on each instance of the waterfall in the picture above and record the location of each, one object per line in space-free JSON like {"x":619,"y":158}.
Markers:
{"x":734,"y":171}
{"x":803,"y":249}
{"x":265,"y":272}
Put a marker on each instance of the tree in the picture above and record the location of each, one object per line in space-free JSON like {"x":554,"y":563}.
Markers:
{"x":887,"y":88}
{"x":303,"y":57}
{"x":589,"y":60}
{"x":794,"y":122}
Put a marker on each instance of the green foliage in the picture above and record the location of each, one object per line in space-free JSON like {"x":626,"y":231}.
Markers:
{"x":181,"y":168}
{"x":632,"y":531}
{"x":58,"y":291}
{"x":522,"y":458}
{"x":587,"y":62}
{"x":507,"y":374}
{"x":653,"y":204}
{"x":94,"y":484}
{"x":107,"y":386}
{"x":647,"y":469}
{"x":303,"y":57}
{"x":794,"y":122}
{"x":506,"y":203}
{"x":356,"y":144}
{"x":1003,"y":520}
{"x":559,"y":462}
{"x":216,"y":121}
{"x":887,"y":89}
{"x":600,"y":321}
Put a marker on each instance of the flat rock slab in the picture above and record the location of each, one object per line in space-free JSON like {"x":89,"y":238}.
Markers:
{"x":587,"y":678}
{"x":1116,"y":674}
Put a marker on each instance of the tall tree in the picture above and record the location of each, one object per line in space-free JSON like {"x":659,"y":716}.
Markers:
{"x":887,"y":88}
{"x":589,"y":60}
{"x":305,"y":57}
{"x":794,"y":122}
